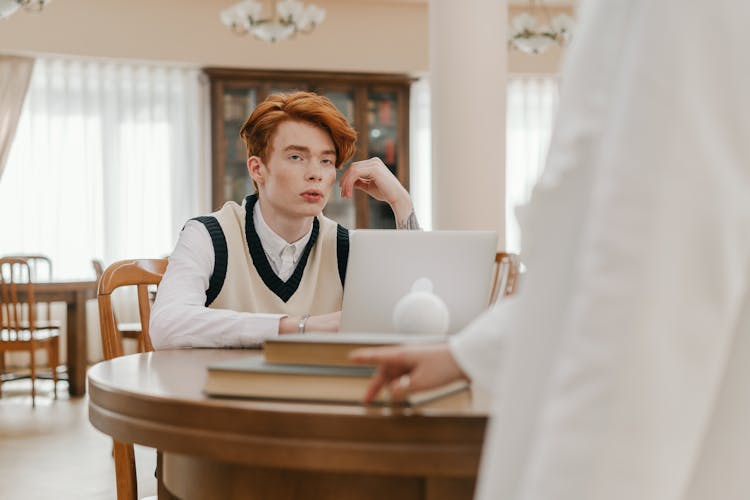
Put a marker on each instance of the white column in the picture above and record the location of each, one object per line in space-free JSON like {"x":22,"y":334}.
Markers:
{"x":468,"y":56}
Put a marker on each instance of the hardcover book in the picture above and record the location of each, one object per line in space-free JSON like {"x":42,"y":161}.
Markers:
{"x":334,"y":348}
{"x":253,"y":377}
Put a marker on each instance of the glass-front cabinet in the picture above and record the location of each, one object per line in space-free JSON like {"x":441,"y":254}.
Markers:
{"x":376,"y":105}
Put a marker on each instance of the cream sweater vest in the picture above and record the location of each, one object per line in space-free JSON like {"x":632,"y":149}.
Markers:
{"x":243,"y":279}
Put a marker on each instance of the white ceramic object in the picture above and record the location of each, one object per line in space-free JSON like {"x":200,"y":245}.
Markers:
{"x":421,"y":311}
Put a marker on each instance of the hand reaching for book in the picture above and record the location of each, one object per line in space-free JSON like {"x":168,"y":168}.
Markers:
{"x":403,"y":370}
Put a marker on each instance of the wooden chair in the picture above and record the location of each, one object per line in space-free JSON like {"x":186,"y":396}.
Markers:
{"x":130,"y":330}
{"x":20,"y":329}
{"x":505,"y":276}
{"x":140,"y":273}
{"x":41,"y":270}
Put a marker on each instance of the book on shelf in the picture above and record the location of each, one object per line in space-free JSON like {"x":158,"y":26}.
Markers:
{"x":236,"y":107}
{"x":385,"y":112}
{"x":334,"y":348}
{"x":389,"y":151}
{"x":253,"y":377}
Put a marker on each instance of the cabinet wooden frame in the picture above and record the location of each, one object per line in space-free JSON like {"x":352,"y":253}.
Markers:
{"x":359,"y":85}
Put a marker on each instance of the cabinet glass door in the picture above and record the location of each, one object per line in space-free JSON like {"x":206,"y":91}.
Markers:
{"x":382,"y":140}
{"x":238,"y":104}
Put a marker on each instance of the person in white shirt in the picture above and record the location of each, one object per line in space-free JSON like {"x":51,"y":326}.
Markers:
{"x":620,"y":371}
{"x":275,"y":264}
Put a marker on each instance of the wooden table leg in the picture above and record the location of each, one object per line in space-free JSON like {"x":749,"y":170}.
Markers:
{"x":77,"y":345}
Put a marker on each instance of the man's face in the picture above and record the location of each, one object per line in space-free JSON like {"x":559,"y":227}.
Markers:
{"x":297,"y":178}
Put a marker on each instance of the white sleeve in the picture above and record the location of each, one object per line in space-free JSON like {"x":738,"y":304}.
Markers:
{"x":479,"y":347}
{"x":180,"y":318}
{"x":643,"y":223}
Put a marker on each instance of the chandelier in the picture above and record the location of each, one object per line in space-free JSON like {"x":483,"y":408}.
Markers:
{"x":526,"y":35}
{"x":8,"y":7}
{"x":288,"y":17}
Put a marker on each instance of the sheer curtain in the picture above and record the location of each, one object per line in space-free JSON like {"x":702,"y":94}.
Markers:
{"x":15,"y":73}
{"x":109,"y":160}
{"x":531,"y":108}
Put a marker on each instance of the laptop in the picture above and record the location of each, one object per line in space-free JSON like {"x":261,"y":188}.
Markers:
{"x":384,"y":264}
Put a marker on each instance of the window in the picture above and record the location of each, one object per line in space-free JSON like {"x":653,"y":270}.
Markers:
{"x":531,"y":108}
{"x":109,"y":160}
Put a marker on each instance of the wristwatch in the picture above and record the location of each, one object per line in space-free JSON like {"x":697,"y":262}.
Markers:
{"x":301,"y":324}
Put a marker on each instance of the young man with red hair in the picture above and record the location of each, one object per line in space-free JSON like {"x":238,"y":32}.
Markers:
{"x":275,"y":264}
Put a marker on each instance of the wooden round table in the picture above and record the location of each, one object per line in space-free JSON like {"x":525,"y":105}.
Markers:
{"x":243,"y":448}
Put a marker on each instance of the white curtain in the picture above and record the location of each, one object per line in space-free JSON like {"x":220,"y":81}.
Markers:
{"x":109,"y":161}
{"x":15,"y":73}
{"x":531,"y":108}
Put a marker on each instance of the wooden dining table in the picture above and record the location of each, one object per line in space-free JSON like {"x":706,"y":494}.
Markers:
{"x":75,"y":294}
{"x":266,"y":449}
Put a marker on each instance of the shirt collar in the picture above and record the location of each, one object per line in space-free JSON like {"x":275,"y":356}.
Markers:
{"x":272,"y":243}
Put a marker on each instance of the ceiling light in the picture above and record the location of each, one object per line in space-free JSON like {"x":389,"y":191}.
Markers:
{"x":529,"y":36}
{"x":8,"y":7}
{"x":288,"y":17}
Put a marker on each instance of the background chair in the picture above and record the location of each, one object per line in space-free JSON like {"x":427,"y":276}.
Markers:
{"x":139,"y":273}
{"x":20,"y":328}
{"x":128,"y":330}
{"x":41,"y":270}
{"x":505,"y":277}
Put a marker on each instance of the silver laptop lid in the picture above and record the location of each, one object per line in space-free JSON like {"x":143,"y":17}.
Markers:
{"x":383,"y":265}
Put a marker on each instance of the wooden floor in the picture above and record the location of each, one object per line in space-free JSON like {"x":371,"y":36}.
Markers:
{"x":53,"y":452}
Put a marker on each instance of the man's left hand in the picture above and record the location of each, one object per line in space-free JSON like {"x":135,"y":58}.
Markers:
{"x":374,"y":178}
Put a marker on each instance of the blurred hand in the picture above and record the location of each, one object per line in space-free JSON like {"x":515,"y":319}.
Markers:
{"x":405,"y":369}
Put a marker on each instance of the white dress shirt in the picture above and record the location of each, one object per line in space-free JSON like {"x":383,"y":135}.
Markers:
{"x":179,"y":317}
{"x":621,"y":369}
{"x":282,"y":256}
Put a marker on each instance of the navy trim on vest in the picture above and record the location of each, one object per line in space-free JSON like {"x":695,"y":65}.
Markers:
{"x":216,"y":282}
{"x":283,"y":289}
{"x":342,"y":251}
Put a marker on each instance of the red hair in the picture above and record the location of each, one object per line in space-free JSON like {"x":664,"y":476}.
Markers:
{"x":257,"y":132}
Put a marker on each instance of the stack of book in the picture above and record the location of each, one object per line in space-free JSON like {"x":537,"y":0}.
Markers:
{"x":314,"y":367}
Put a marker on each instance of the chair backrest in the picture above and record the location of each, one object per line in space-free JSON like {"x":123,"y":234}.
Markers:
{"x":17,"y":302}
{"x":40,"y":269}
{"x":40,"y":266}
{"x":505,"y":276}
{"x":139,"y":273}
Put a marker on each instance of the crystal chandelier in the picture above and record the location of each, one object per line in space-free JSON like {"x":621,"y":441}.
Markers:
{"x":8,"y":7}
{"x":532,"y":38}
{"x":288,"y":18}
